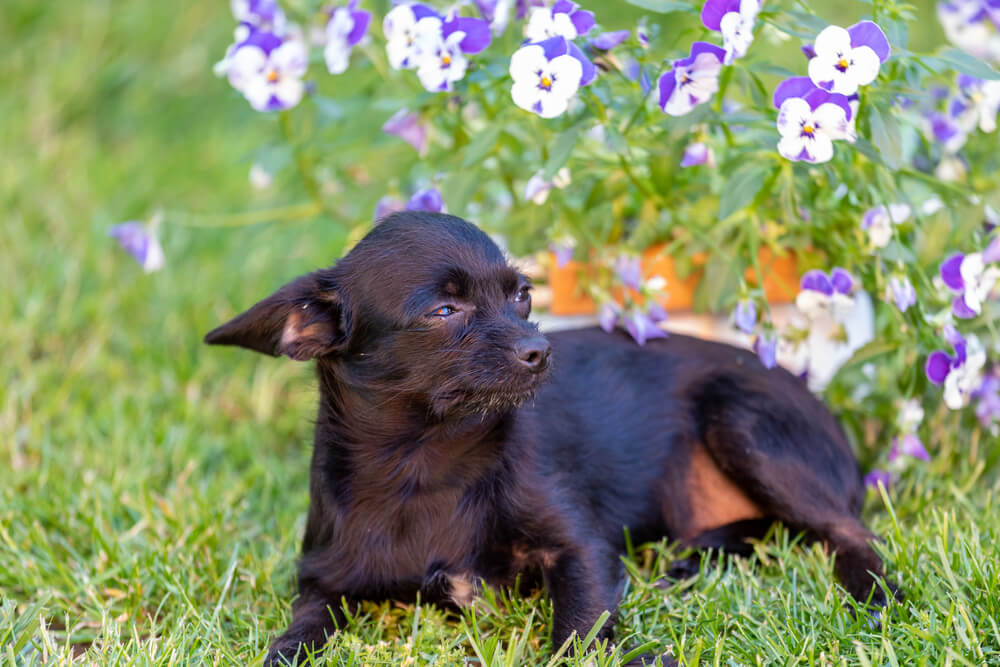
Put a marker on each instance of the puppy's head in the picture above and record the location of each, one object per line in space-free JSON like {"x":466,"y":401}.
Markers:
{"x":424,"y":308}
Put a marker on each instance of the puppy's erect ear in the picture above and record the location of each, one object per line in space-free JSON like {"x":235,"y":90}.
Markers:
{"x":304,"y":319}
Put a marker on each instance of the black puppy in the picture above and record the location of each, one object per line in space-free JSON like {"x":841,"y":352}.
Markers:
{"x":455,"y":444}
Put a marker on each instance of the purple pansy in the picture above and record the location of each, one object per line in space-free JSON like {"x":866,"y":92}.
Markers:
{"x":901,"y":291}
{"x":810,"y":120}
{"x":606,"y":41}
{"x":634,"y":71}
{"x":765,"y":346}
{"x":642,"y":327}
{"x":946,"y":131}
{"x":656,"y":312}
{"x":537,"y":188}
{"x":847,"y":58}
{"x":972,"y":277}
{"x":745,"y":315}
{"x":563,"y":252}
{"x":388,"y":205}
{"x":909,"y":445}
{"x":428,"y":199}
{"x":345,"y":29}
{"x":565,"y":19}
{"x":879,"y":221}
{"x":876,"y":477}
{"x":693,"y":80}
{"x":546,"y":76}
{"x":268,"y":70}
{"x":735,"y":19}
{"x":821,"y":292}
{"x":140,"y":241}
{"x":496,"y":13}
{"x":698,"y":153}
{"x":959,"y":373}
{"x":408,"y":126}
{"x":629,"y":271}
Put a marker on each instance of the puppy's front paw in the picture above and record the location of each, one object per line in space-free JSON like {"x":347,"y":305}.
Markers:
{"x":291,"y":651}
{"x":650,"y":660}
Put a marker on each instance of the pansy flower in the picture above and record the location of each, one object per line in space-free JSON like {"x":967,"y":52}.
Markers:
{"x":268,"y":71}
{"x":946,"y":131}
{"x":909,"y":445}
{"x":972,"y":25}
{"x":564,"y":19}
{"x":388,"y":205}
{"x":877,"y":477}
{"x":607,"y":317}
{"x":810,"y":120}
{"x":820,"y":293}
{"x":140,"y":241}
{"x":563,"y":250}
{"x":848,"y":57}
{"x":347,"y":26}
{"x":693,"y":80}
{"x":606,"y":41}
{"x":973,"y":278}
{"x":546,"y":76}
{"x":263,"y":15}
{"x":976,"y":104}
{"x":959,"y":373}
{"x":902,"y":292}
{"x":879,"y":221}
{"x":496,"y":13}
{"x":988,"y":398}
{"x":735,"y":20}
{"x":698,"y":153}
{"x":408,"y":126}
{"x":409,"y":28}
{"x":537,"y":188}
{"x":443,"y":63}
{"x":629,"y":271}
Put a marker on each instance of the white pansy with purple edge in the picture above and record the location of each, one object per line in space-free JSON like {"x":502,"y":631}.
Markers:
{"x":564,"y":19}
{"x":902,"y":292}
{"x":408,"y":126}
{"x":693,"y":80}
{"x":443,"y":63}
{"x":847,"y":58}
{"x":745,"y":315}
{"x":345,"y":29}
{"x":268,"y":71}
{"x":698,"y":153}
{"x":810,"y":120}
{"x":546,"y":76}
{"x":409,"y":30}
{"x":960,"y":373}
{"x":972,"y":25}
{"x":973,"y":277}
{"x":976,"y":104}
{"x":821,"y":293}
{"x":879,"y":221}
{"x":735,"y":19}
{"x":140,"y":241}
{"x":263,"y":15}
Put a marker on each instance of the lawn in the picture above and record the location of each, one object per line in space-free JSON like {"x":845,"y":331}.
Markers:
{"x":153,"y":490}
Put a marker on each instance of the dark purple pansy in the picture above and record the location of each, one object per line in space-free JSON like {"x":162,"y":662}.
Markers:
{"x":426,"y":200}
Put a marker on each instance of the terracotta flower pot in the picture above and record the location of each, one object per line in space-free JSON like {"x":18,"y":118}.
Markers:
{"x":780,"y":278}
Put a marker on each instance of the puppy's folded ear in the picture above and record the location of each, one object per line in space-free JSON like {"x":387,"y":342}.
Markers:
{"x":304,"y":319}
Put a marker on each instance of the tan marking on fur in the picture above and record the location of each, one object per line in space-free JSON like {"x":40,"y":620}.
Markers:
{"x":715,"y":499}
{"x":463,"y":589}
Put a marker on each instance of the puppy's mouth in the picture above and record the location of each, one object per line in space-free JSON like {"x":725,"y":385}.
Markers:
{"x":486,"y":400}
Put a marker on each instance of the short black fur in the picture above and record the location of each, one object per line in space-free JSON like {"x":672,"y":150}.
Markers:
{"x":455,"y":445}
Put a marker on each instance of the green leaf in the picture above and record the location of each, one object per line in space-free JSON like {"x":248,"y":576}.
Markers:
{"x":615,"y":140}
{"x":720,"y":280}
{"x":867,"y":353}
{"x":482,"y":144}
{"x":459,"y":189}
{"x":662,"y":6}
{"x":955,"y":59}
{"x":560,"y":152}
{"x":886,"y":137}
{"x":741,"y":188}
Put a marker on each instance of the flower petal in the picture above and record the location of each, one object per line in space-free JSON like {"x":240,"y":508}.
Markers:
{"x":951,"y":272}
{"x":864,"y":66}
{"x":841,"y":280}
{"x":713,"y":11}
{"x":868,"y":33}
{"x":937,"y":367}
{"x":817,"y":281}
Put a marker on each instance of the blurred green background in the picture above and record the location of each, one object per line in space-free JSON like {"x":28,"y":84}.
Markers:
{"x":153,"y":489}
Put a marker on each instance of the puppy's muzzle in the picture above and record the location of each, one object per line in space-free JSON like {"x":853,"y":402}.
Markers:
{"x":533,"y":353}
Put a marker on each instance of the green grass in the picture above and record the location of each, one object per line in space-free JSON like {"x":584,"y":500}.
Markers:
{"x":152,"y":490}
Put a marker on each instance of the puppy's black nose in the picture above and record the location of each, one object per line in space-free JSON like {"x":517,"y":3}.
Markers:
{"x":533,"y":353}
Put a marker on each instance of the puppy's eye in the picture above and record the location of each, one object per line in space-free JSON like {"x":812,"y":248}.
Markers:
{"x":523,"y":294}
{"x":444,"y":311}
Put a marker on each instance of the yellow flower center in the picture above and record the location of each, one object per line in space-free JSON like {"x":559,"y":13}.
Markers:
{"x":546,"y":82}
{"x":808,"y":129}
{"x":843,"y":64}
{"x":446,"y":60}
{"x":272,"y":76}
